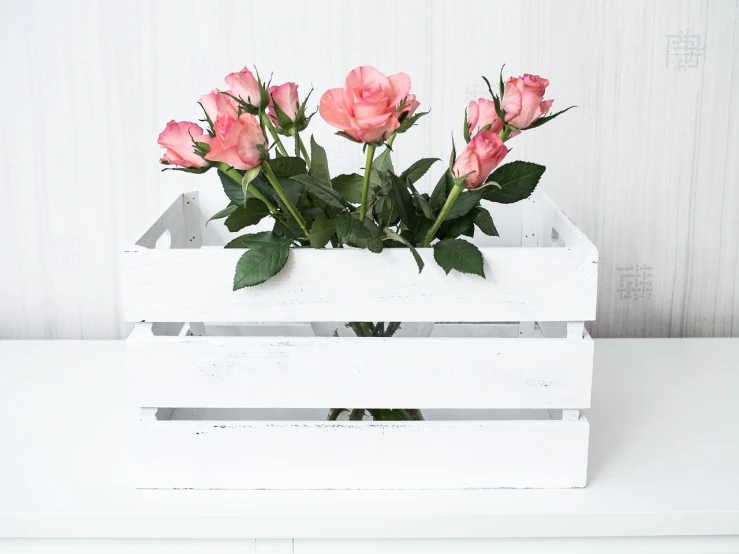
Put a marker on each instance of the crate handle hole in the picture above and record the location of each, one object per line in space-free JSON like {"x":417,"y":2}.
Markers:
{"x":165,"y":241}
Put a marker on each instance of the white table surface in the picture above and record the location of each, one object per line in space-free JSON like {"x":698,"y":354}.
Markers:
{"x":664,"y":460}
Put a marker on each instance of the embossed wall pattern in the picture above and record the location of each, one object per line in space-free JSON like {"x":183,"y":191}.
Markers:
{"x":647,"y":166}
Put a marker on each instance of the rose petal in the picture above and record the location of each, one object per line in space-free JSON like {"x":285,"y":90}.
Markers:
{"x":401,"y":84}
{"x":333,"y":109}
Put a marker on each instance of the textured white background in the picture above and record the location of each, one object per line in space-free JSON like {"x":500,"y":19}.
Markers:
{"x":648,"y":166}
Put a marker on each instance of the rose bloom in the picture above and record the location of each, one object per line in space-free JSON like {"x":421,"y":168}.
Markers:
{"x":286,"y":97}
{"x":178,"y":138}
{"x":409,"y":107}
{"x":481,"y":114}
{"x":483,"y":154}
{"x":215,"y":103}
{"x":237,"y":141}
{"x":245,"y":86}
{"x":523,"y":100}
{"x":366,"y":108}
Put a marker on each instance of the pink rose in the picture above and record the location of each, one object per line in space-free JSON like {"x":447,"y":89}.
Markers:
{"x":479,"y":158}
{"x":523,"y":100}
{"x":481,"y":114}
{"x":366,"y":108}
{"x":237,"y":141}
{"x":178,"y":138}
{"x":245,"y":86}
{"x":286,"y":97}
{"x":215,"y":103}
{"x":409,"y":107}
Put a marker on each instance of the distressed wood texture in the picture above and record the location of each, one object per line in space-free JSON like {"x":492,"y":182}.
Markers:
{"x":522,"y":284}
{"x":361,"y":455}
{"x":555,"y":285}
{"x":233,"y":372}
{"x":644,"y":166}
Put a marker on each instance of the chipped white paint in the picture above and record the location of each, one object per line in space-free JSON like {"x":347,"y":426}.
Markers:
{"x":234,"y":372}
{"x":362,"y":455}
{"x":523,"y":284}
{"x":205,"y":368}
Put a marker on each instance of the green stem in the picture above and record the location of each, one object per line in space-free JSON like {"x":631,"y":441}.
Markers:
{"x":303,"y":150}
{"x":444,"y":211}
{"x":356,"y":415}
{"x":505,"y":133}
{"x":236,"y":176}
{"x":391,"y":140}
{"x":334,"y":414}
{"x":392,"y":327}
{"x":267,"y":122}
{"x":365,"y":184}
{"x":267,"y":170}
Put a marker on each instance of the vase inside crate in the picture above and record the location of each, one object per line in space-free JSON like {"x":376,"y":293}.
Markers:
{"x":372,"y":330}
{"x":345,"y":329}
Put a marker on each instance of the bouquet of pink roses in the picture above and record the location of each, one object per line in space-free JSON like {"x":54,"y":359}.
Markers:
{"x":253,"y":140}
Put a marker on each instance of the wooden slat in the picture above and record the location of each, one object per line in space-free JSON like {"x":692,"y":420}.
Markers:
{"x":523,"y":284}
{"x":361,"y":455}
{"x":308,"y":372}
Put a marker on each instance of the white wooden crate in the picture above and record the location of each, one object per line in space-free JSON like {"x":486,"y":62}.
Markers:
{"x":226,"y":401}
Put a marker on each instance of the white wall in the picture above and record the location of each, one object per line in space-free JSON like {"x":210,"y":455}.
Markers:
{"x":648,"y":165}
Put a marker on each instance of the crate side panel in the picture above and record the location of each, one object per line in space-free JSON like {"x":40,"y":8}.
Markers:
{"x":467,"y":455}
{"x":522,"y":284}
{"x":308,"y":372}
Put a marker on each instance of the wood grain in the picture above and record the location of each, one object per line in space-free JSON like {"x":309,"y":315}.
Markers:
{"x":646,"y":165}
{"x":306,"y":372}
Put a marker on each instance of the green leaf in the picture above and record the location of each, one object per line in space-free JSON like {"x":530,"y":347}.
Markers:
{"x":250,"y":214}
{"x":512,"y":182}
{"x":197,"y":170}
{"x":262,"y":185}
{"x":463,"y":225}
{"x":410,"y":122}
{"x":403,"y":200}
{"x":287,"y":166}
{"x":383,"y":162}
{"x":490,"y":89}
{"x":388,"y":210}
{"x":545,"y":118}
{"x":288,"y":228}
{"x":266,"y":256}
{"x":349,"y":186}
{"x":460,"y":255}
{"x":232,"y":188}
{"x":418,"y":169}
{"x":319,"y":163}
{"x":466,"y":200}
{"x":418,"y":233}
{"x":420,"y":203}
{"x":320,"y":191}
{"x":393,"y":236}
{"x":351,"y":231}
{"x":225,"y":212}
{"x":498,"y":108}
{"x":322,"y":231}
{"x":347,"y":136}
{"x":293,"y":190}
{"x":484,"y":222}
{"x":438,"y":196}
{"x":501,"y":86}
